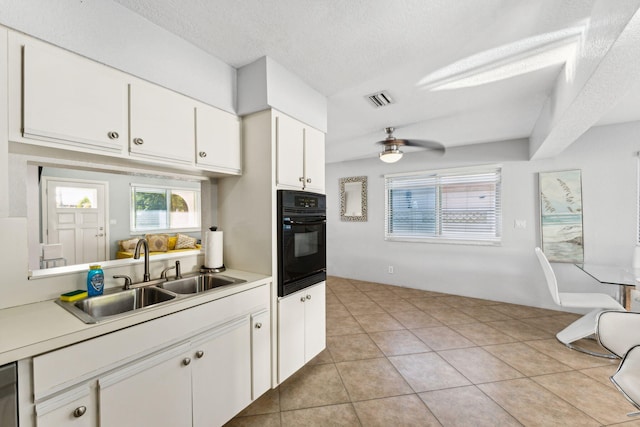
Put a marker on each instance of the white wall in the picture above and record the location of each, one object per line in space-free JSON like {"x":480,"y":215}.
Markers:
{"x":266,"y":84}
{"x":607,"y":157}
{"x":110,"y":33}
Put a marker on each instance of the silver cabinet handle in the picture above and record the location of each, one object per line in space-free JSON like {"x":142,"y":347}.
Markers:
{"x":308,"y":180}
{"x":186,"y":361}
{"x":202,"y":154}
{"x":301,"y":179}
{"x":308,"y":297}
{"x":199,"y":354}
{"x":258,"y":325}
{"x":79,"y":411}
{"x":138,"y":141}
{"x":303,"y":299}
{"x":113,"y":135}
{"x":100,"y":235}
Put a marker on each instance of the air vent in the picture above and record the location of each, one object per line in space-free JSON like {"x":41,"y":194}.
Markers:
{"x":379,"y":99}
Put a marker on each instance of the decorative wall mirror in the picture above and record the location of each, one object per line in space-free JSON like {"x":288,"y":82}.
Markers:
{"x":353,"y":198}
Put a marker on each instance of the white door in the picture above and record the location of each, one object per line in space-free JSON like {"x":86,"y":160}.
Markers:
{"x":162,"y":124}
{"x":221,"y":374}
{"x":290,"y":152}
{"x":314,"y":160}
{"x":155,"y":392}
{"x":260,"y":353}
{"x":291,"y":330}
{"x":314,"y":321}
{"x":217,"y":139}
{"x":71,"y":99}
{"x":75,"y":215}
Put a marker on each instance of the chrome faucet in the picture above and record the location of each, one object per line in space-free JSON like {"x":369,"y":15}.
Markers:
{"x":178,"y":272}
{"x":163,"y":275}
{"x":136,"y":255}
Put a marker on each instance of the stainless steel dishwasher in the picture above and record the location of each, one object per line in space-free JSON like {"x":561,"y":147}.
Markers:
{"x":8,"y":396}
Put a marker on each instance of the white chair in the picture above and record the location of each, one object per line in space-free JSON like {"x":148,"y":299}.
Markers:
{"x":627,"y":378}
{"x":619,"y":332}
{"x":584,"y":327}
{"x":51,"y":253}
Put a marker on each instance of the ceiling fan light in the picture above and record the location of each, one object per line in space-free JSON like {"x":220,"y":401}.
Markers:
{"x":390,"y":154}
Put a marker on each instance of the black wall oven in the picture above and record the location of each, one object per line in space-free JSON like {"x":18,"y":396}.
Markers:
{"x":302,"y":238}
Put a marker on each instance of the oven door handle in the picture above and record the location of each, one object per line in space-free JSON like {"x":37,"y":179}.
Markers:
{"x":289,"y":222}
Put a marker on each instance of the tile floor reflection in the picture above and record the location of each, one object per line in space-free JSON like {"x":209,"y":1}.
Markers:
{"x":404,"y":357}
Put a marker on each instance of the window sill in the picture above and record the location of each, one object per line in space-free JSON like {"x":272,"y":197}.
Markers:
{"x":445,"y":241}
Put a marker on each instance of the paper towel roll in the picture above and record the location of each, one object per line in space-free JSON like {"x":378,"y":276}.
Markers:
{"x":213,"y":249}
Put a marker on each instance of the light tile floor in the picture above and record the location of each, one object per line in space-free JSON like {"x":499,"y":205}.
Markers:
{"x":404,"y":357}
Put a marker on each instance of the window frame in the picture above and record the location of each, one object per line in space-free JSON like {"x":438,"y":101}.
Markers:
{"x":441,"y":178}
{"x":168,"y":190}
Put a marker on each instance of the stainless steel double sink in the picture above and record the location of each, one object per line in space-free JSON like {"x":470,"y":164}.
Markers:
{"x":120,"y":302}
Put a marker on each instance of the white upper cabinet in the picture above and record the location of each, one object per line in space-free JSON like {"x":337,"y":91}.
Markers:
{"x":314,"y":160}
{"x":71,"y":100}
{"x":217,"y":140}
{"x":300,"y":155}
{"x":62,"y":100}
{"x":290,"y":152}
{"x":162,"y":124}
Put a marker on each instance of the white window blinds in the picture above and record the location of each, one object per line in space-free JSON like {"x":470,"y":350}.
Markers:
{"x":461,"y":204}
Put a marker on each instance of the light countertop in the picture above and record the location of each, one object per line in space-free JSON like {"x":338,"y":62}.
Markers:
{"x":32,"y":329}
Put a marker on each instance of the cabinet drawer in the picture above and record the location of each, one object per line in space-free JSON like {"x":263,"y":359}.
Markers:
{"x":74,"y":408}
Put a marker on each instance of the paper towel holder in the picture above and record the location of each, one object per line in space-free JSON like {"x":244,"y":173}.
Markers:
{"x":206,"y":270}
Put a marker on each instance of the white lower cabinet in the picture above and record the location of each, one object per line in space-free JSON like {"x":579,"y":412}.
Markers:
{"x":260,"y":353}
{"x":172,"y":371}
{"x":202,"y":383}
{"x":221,"y":374}
{"x":301,"y":328}
{"x":153,"y":392}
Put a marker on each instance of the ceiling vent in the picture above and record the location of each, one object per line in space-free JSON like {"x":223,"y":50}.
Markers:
{"x":379,"y":99}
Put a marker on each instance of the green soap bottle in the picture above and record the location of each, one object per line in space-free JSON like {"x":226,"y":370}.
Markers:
{"x":95,"y":281}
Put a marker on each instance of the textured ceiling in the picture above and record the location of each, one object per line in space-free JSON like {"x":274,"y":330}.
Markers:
{"x":347,"y":49}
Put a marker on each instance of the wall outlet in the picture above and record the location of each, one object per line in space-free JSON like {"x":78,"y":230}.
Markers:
{"x":391,"y":269}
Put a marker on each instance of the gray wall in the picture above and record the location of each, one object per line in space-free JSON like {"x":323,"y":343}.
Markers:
{"x":607,"y":157}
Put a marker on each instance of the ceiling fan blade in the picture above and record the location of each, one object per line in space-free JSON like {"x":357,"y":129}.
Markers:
{"x":397,"y":143}
{"x":424,"y":143}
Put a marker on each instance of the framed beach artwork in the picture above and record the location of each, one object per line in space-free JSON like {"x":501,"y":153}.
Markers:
{"x":561,"y":215}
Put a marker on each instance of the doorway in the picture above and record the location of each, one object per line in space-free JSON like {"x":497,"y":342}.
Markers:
{"x":74,"y":214}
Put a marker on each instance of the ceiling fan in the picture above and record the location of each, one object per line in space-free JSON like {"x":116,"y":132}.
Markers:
{"x":391,"y":152}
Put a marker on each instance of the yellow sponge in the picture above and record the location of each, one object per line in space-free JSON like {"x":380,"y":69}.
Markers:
{"x":73,"y":296}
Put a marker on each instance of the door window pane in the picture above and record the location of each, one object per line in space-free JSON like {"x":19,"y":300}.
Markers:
{"x":76,"y":198}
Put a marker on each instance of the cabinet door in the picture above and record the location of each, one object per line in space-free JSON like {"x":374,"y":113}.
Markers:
{"x":260,"y":353}
{"x":314,"y":160}
{"x":291,"y":331}
{"x":154,"y":392}
{"x":290,"y":152}
{"x":314,"y":321}
{"x":71,"y":100}
{"x":217,"y":140}
{"x":162,"y":124}
{"x":221,"y":374}
{"x":74,"y":408}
